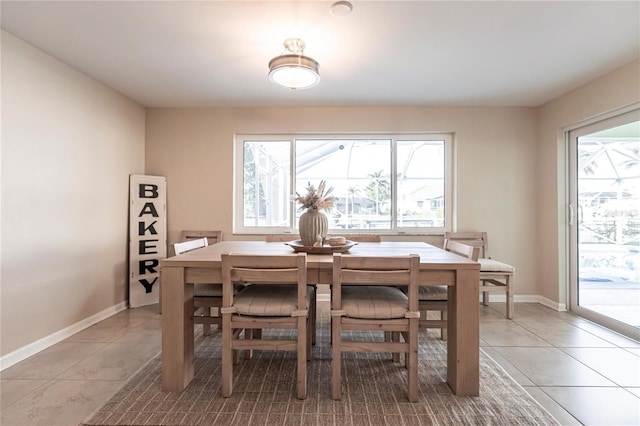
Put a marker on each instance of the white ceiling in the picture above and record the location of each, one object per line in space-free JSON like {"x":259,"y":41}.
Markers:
{"x":215,"y":53}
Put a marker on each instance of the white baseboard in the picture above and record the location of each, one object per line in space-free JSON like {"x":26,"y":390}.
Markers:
{"x":560,"y":307}
{"x":529,"y":298}
{"x":524,"y":298}
{"x":31,"y":349}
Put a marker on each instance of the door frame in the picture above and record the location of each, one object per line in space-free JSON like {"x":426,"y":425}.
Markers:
{"x":616,"y":118}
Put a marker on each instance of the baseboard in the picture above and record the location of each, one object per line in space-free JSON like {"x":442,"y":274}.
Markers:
{"x":560,"y":307}
{"x":530,"y":298}
{"x":31,"y":349}
{"x":524,"y":298}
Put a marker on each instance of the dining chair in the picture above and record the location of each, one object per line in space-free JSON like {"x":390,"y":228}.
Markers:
{"x":366,"y":296}
{"x":368,"y":238}
{"x":362,"y":238}
{"x":206,"y":297}
{"x":495,"y":276}
{"x":276,"y":238}
{"x":186,"y":246}
{"x":285,"y":238}
{"x":434,"y":298}
{"x":212,"y":237}
{"x":359,"y":238}
{"x":278,"y":297}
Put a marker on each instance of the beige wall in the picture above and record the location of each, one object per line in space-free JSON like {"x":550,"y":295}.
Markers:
{"x":495,"y":171}
{"x":70,"y":143}
{"x":68,"y":147}
{"x":615,"y":90}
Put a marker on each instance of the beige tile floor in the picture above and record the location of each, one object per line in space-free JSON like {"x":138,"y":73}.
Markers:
{"x":581,"y":372}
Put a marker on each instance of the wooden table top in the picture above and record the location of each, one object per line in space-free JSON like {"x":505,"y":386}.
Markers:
{"x":431,"y":257}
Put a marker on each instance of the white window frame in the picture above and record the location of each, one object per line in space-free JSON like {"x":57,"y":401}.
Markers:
{"x":238,"y":177}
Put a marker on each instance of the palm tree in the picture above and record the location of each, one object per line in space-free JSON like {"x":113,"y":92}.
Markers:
{"x":379,"y":188}
{"x":351,"y":192}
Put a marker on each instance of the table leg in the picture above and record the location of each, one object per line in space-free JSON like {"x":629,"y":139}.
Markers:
{"x":177,"y":330}
{"x":463,"y":345}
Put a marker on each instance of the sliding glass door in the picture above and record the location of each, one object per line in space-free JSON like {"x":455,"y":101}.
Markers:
{"x":605,"y":222}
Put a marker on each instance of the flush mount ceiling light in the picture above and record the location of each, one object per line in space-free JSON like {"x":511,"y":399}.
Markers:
{"x":292,"y":69}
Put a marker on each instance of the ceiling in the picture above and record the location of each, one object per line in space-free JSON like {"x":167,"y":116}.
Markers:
{"x":215,"y":53}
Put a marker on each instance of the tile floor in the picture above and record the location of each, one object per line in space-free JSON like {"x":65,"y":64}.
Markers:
{"x":581,"y":372}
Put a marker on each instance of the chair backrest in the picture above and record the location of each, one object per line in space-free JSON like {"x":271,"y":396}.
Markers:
{"x":255,"y":269}
{"x":212,"y":237}
{"x":189,"y":245}
{"x":476,"y":239}
{"x":357,"y":238}
{"x":364,"y":238}
{"x":275,"y":238}
{"x":465,"y":250}
{"x":376,"y":270}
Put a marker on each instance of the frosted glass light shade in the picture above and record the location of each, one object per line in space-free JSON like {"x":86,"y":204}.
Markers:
{"x":294,"y":71}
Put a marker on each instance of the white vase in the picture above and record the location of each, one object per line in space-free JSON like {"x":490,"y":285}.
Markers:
{"x":311,"y":225}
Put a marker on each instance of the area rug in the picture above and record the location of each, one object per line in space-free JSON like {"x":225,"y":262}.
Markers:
{"x":374,"y":392}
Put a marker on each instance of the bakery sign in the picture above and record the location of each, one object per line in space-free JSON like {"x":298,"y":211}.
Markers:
{"x":147,"y":237}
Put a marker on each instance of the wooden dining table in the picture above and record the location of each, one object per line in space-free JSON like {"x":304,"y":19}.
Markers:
{"x":437,"y":267}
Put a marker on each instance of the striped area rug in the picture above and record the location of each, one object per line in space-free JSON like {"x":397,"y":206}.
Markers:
{"x":374,"y":392}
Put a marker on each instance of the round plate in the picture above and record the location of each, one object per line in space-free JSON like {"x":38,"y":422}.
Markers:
{"x":325,"y":249}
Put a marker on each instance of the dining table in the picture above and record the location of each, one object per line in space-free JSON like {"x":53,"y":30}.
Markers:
{"x":437,"y":267}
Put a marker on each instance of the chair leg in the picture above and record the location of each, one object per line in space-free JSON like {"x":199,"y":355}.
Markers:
{"x":227,"y":357}
{"x":336,"y":359}
{"x":405,"y":337}
{"x":412,"y":368}
{"x":485,"y":298}
{"x":443,"y":330}
{"x":509,"y":297}
{"x":314,"y":317}
{"x":395,"y":337}
{"x":206,"y":328}
{"x":310,"y":332}
{"x":249,"y":334}
{"x":301,"y":387}
{"x":236,"y":357}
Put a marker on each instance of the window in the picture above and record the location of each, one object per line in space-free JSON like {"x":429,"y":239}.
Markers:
{"x":394,"y":184}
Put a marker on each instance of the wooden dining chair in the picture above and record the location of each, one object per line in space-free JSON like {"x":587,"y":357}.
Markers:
{"x":212,"y":237}
{"x":434,"y":298}
{"x":277,"y":238}
{"x":366,"y":296}
{"x":495,"y":276}
{"x":206,"y":297}
{"x":278,"y":297}
{"x":368,"y":238}
{"x":285,"y":238}
{"x":362,"y":238}
{"x":186,"y":246}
